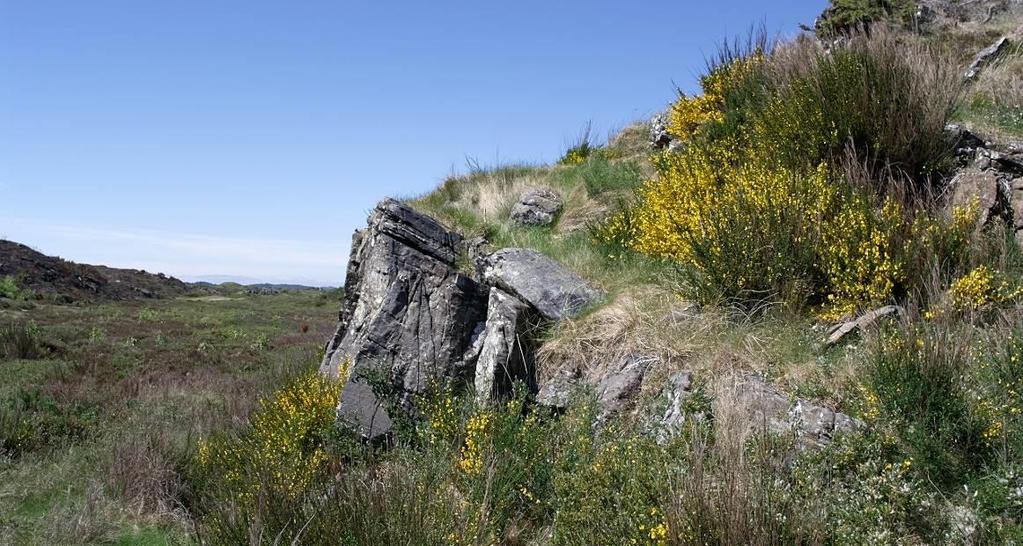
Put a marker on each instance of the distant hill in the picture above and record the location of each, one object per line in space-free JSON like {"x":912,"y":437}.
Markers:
{"x":62,"y":280}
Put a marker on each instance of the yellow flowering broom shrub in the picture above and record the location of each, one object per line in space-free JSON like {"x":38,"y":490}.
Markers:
{"x":760,"y":205}
{"x":689,"y":114}
{"x":980,"y":287}
{"x":283,"y":450}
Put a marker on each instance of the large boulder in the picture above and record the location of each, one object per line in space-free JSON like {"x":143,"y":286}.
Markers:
{"x":554,"y":291}
{"x":537,"y":207}
{"x":408,"y":319}
{"x":507,"y":352}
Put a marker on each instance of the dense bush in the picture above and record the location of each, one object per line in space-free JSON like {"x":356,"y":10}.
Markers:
{"x":19,"y":339}
{"x":508,"y":474}
{"x":806,"y":176}
{"x":261,"y":476}
{"x":33,"y":419}
{"x":9,"y":289}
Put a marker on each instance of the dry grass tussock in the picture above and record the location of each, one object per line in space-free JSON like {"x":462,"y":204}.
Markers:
{"x":710,"y":342}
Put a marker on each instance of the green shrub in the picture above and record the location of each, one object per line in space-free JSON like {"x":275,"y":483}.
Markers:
{"x":33,"y":419}
{"x":9,"y":289}
{"x":20,"y":339}
{"x":918,"y":386}
{"x":847,"y":15}
{"x":884,"y":97}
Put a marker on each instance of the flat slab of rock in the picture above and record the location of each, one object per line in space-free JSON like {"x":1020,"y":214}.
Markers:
{"x":866,"y":320}
{"x":985,"y":56}
{"x":537,"y":207}
{"x":409,"y":315}
{"x":554,"y":291}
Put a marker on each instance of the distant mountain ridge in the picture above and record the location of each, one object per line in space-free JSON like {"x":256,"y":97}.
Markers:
{"x":65,"y":281}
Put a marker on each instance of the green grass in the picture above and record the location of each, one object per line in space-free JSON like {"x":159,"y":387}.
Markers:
{"x":113,"y":415}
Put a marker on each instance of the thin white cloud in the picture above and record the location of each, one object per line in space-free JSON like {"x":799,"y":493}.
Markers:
{"x":187,"y":255}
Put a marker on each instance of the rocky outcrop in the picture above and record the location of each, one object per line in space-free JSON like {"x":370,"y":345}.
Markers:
{"x":554,"y":291}
{"x":660,"y":138}
{"x":974,"y":187}
{"x":408,"y":318}
{"x":412,"y":319}
{"x":537,"y":207}
{"x":990,"y":177}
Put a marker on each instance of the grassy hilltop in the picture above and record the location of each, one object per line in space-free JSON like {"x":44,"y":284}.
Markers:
{"x":807,"y":184}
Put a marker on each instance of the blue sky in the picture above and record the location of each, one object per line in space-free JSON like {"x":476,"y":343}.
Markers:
{"x":249,"y":138}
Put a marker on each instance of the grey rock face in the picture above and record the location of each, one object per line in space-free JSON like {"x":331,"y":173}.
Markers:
{"x":408,"y":317}
{"x":812,"y":424}
{"x":992,"y":174}
{"x":554,"y":291}
{"x":615,"y":386}
{"x":537,"y":207}
{"x":557,"y":392}
{"x":660,"y":138}
{"x":675,"y":394}
{"x":507,"y":352}
{"x":617,"y":389}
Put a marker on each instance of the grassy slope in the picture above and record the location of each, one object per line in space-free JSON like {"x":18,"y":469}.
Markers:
{"x":113,"y":411}
{"x":993,"y":105}
{"x":642,"y":312}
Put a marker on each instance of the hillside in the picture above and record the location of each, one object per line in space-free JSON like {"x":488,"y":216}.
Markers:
{"x":788,"y":309}
{"x":33,"y":274}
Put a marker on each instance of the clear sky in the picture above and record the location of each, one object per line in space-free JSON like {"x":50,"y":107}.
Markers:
{"x":249,"y":138}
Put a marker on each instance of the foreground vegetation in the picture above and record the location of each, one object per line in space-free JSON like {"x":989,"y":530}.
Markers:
{"x":101,"y":405}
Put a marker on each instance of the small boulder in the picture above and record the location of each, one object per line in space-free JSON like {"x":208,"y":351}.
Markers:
{"x":554,"y":291}
{"x":556,"y":392}
{"x":617,"y":389}
{"x":660,"y":138}
{"x":537,"y":207}
{"x":675,"y":396}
